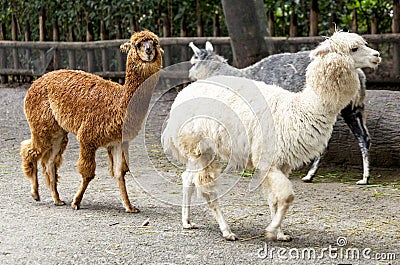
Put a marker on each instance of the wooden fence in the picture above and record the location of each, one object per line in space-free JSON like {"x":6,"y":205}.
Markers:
{"x":19,"y":60}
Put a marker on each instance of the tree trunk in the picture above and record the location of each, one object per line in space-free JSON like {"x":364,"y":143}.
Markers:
{"x":314,"y":13}
{"x":383,"y":117}
{"x":246,"y":22}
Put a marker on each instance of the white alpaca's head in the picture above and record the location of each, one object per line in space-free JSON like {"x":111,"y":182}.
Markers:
{"x":349,"y":44}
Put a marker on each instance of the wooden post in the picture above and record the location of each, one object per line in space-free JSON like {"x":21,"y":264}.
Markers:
{"x":103,"y":36}
{"x":14,"y":37}
{"x":396,"y":45}
{"x":71,"y":53}
{"x":314,"y":13}
{"x":183,"y":33}
{"x":42,"y":37}
{"x":27,"y":37}
{"x":56,"y":37}
{"x":293,"y":25}
{"x":120,"y":62}
{"x":90,"y":52}
{"x":3,"y":59}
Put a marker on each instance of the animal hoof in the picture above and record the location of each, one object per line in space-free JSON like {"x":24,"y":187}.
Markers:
{"x":362,"y":182}
{"x":36,"y":197}
{"x":59,"y":203}
{"x":270,"y":236}
{"x":307,"y":179}
{"x":230,"y":237}
{"x":284,"y":238}
{"x":75,"y":207}
{"x":189,"y":226}
{"x":133,"y":210}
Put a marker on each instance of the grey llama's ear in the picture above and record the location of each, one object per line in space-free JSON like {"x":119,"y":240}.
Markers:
{"x":321,"y":50}
{"x":125,"y":47}
{"x":194,"y":48}
{"x":209,"y":46}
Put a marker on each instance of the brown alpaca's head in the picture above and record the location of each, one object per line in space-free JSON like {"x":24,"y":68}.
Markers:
{"x":143,"y":46}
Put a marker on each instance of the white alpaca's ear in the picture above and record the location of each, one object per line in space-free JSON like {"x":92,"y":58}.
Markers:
{"x":125,"y":47}
{"x":209,"y":46}
{"x":321,"y":50}
{"x":194,"y":48}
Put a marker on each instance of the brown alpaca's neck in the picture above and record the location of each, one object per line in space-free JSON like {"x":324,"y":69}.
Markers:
{"x":138,"y":72}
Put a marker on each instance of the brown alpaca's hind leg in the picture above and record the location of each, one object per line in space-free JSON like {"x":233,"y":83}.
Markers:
{"x":30,"y":157}
{"x":120,"y":161}
{"x":51,"y":161}
{"x":86,"y":167}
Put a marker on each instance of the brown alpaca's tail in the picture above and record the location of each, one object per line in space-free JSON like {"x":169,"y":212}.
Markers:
{"x":30,"y":157}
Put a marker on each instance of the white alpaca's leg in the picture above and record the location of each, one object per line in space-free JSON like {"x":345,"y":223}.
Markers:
{"x":188,"y":189}
{"x":280,"y":196}
{"x":206,"y":186}
{"x":119,"y":168}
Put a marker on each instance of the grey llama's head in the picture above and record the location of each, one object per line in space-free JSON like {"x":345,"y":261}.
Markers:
{"x":206,"y":63}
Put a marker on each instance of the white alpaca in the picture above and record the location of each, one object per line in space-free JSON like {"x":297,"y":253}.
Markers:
{"x":238,"y":131}
{"x":287,"y":70}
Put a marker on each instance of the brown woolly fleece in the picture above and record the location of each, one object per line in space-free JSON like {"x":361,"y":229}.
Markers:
{"x":94,"y":110}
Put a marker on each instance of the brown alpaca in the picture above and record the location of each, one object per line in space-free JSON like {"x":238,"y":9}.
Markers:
{"x":93,"y":109}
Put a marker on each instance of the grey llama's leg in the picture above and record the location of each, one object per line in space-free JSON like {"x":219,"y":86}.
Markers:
{"x":311,"y":173}
{"x":120,"y":169}
{"x":365,"y":157}
{"x":188,"y":189}
{"x":354,"y":118}
{"x":280,"y":196}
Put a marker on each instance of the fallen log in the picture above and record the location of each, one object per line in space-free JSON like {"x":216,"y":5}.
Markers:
{"x":383,"y":121}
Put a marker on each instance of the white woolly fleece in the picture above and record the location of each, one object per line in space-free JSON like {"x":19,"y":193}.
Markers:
{"x":251,"y":124}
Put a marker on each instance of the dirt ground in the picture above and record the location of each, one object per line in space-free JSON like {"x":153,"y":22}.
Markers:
{"x":332,"y":221}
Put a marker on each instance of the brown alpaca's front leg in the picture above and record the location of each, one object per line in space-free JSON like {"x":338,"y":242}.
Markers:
{"x":120,"y":161}
{"x":86,"y":167}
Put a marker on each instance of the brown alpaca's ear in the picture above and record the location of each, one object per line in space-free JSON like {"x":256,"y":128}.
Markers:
{"x":161,"y":51}
{"x":125,"y":47}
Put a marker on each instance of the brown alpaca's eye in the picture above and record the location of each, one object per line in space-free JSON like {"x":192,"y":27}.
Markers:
{"x":354,"y":49}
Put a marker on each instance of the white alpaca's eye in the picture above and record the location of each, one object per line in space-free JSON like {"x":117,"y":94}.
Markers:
{"x":354,"y":49}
